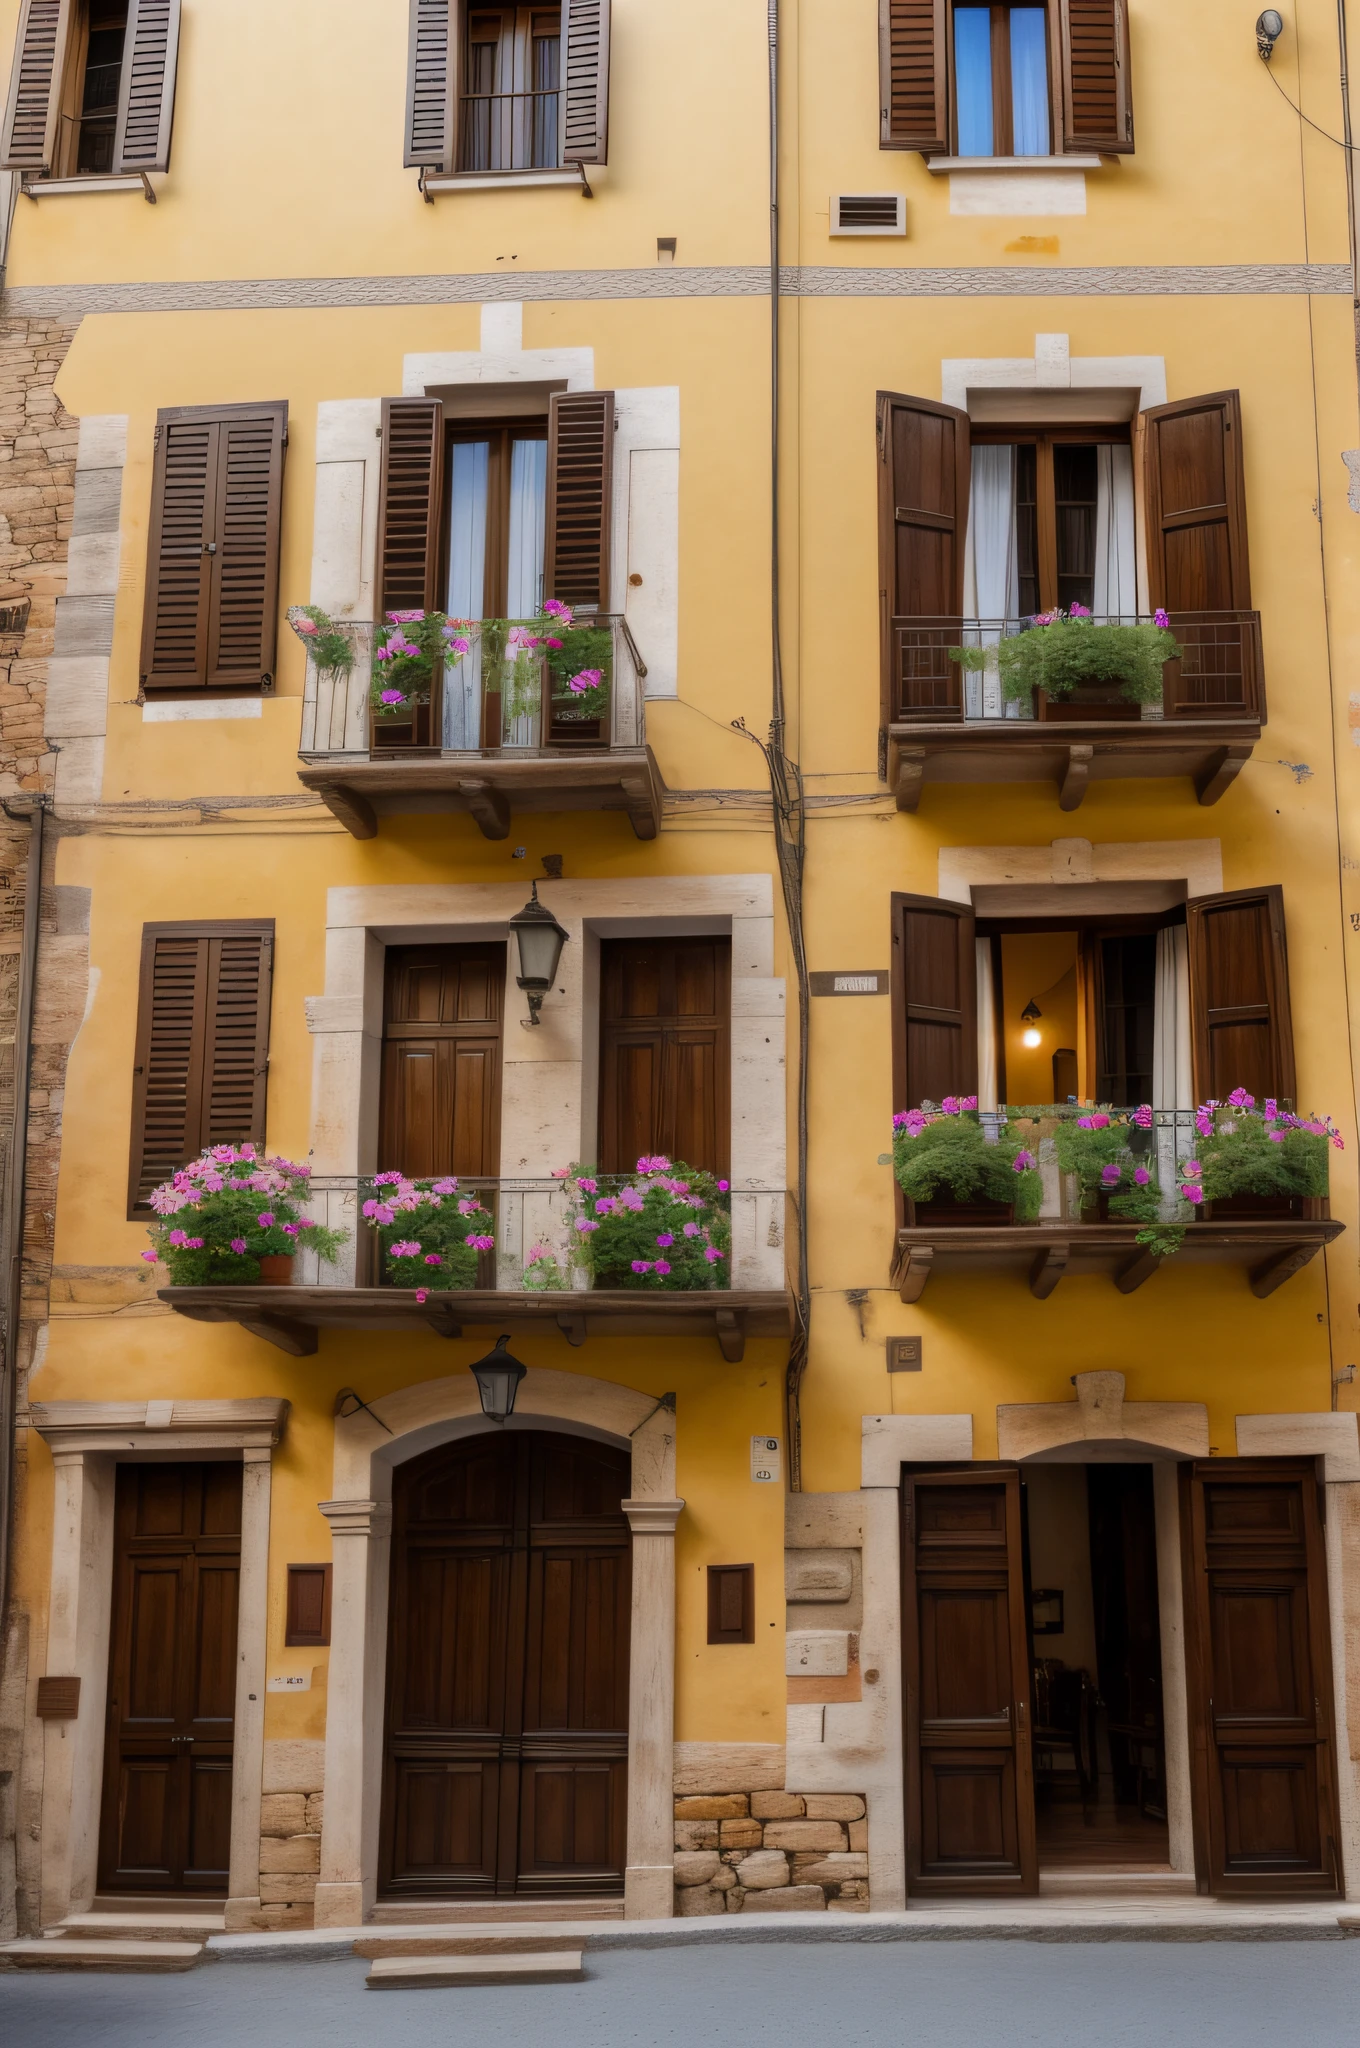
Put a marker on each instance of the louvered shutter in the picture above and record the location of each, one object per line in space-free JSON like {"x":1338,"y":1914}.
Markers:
{"x":1196,"y":505}
{"x":585,"y":78}
{"x":213,"y":558}
{"x":146,"y":91}
{"x":410,"y":504}
{"x":913,"y":75}
{"x":935,"y":1000}
{"x":580,"y":498}
{"x":202,"y":1046}
{"x":432,"y":73}
{"x":1239,"y":996}
{"x":1097,"y":103}
{"x":33,"y":109}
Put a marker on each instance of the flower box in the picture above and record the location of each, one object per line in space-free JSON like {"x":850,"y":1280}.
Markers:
{"x":231,"y":1218}
{"x":1263,"y":1208}
{"x":943,"y":1212}
{"x":1102,"y":701}
{"x":955,"y":1172}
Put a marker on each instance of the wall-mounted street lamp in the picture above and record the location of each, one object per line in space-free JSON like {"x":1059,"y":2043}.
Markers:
{"x":1269,"y":29}
{"x":540,"y":939}
{"x":498,"y":1376}
{"x":1031,"y":1036}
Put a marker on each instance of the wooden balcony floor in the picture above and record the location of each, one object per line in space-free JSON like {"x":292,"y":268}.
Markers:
{"x":361,"y":788}
{"x":1267,"y":1251}
{"x":1072,"y":754}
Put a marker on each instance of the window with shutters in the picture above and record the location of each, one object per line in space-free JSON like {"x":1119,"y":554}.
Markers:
{"x":211,"y":618}
{"x":510,"y":113}
{"x":1000,"y":58}
{"x":202,"y":1049}
{"x":92,"y":89}
{"x":508,"y":90}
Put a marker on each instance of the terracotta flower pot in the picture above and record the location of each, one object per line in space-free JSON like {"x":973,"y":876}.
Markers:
{"x":276,"y":1270}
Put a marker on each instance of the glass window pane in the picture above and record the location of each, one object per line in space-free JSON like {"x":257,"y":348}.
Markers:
{"x":467,"y":529}
{"x":1029,"y":82}
{"x":528,"y":515}
{"x":973,"y":75}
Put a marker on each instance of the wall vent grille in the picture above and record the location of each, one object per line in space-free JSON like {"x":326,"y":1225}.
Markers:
{"x":868,"y":213}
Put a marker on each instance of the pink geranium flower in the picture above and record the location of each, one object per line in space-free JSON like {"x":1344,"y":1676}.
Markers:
{"x":482,"y":1244}
{"x":661,"y":1267}
{"x":1022,"y":1162}
{"x":265,"y":1219}
{"x":238,"y":1245}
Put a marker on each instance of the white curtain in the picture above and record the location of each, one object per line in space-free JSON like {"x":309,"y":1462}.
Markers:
{"x":991,"y":569}
{"x":1172,"y":1075}
{"x":528,"y":518}
{"x":1116,"y":578}
{"x":467,"y":589}
{"x":986,"y":1027}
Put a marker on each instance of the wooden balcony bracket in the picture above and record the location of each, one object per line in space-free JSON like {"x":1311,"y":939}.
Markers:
{"x":1047,"y":1270}
{"x":299,"y":1340}
{"x":1075,"y":779}
{"x":642,"y":807}
{"x":572,"y":1324}
{"x":913,"y":1274}
{"x":731,"y":1335}
{"x":1273,"y":1273}
{"x":1221,"y":772}
{"x":1130,"y":1276}
{"x":355,"y":812}
{"x":489,"y":807}
{"x":911,"y":776}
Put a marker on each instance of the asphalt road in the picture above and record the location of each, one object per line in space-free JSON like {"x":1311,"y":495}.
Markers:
{"x":936,"y":1994}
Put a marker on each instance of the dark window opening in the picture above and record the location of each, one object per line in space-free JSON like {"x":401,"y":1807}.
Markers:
{"x":511,"y":99}
{"x":95,"y":86}
{"x":1126,"y":1009}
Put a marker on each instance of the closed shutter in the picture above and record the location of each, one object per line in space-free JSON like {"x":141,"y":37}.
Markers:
{"x":410,"y":504}
{"x":213,"y":560}
{"x":924,"y":468}
{"x":913,"y":76}
{"x":146,"y":92}
{"x":33,"y":109}
{"x":441,"y":1073}
{"x":432,"y":73}
{"x":202,"y":1046}
{"x":1239,"y":996}
{"x":935,"y":1047}
{"x":580,"y":498}
{"x":666,"y":1052}
{"x":1097,"y":104}
{"x":585,"y":75}
{"x":1196,"y":505}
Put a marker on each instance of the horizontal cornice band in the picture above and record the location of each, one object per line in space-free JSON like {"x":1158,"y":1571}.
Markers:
{"x":731,"y":281}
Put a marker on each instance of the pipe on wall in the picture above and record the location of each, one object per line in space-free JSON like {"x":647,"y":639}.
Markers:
{"x":13,"y":1214}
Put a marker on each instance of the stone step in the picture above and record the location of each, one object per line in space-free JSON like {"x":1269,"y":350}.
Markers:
{"x":403,"y":1973}
{"x":71,"y":1954}
{"x":163,"y":1926}
{"x":472,"y":1912}
{"x":1104,"y":1884}
{"x":534,"y":1941}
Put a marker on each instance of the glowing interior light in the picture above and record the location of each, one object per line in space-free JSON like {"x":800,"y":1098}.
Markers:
{"x":1031,"y":1038}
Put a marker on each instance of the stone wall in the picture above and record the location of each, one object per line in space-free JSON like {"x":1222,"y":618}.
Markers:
{"x":290,"y":1837}
{"x":771,"y":1852}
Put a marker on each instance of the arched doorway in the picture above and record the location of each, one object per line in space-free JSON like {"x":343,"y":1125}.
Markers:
{"x":505,"y":1757}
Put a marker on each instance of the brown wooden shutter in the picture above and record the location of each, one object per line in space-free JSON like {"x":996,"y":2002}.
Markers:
{"x":1259,"y":1678}
{"x":1097,"y":103}
{"x":666,"y":1052}
{"x":202,"y":1046}
{"x":411,"y":504}
{"x":580,"y":498}
{"x":585,"y":74}
{"x":965,"y":1664}
{"x":32,"y":130}
{"x":1196,"y":505}
{"x":146,"y":92}
{"x":432,"y":75}
{"x":1239,"y":996}
{"x":731,"y":1603}
{"x":307,"y":1620}
{"x":211,"y":618}
{"x":924,"y":470}
{"x":935,"y":1049}
{"x":913,"y":75}
{"x":441,"y":1069}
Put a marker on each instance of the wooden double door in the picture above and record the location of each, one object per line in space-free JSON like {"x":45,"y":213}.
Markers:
{"x":507,"y":1702}
{"x":165,"y":1822}
{"x":1258,"y":1669}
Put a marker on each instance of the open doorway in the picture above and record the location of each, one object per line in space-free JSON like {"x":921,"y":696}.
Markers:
{"x":1090,"y":1557}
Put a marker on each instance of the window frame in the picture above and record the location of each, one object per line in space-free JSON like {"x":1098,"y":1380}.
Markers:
{"x":1044,"y":438}
{"x":514,"y":51}
{"x":71,"y":118}
{"x":1003,"y":116}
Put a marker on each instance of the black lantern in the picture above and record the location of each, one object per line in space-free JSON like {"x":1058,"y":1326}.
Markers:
{"x":498,"y":1376}
{"x":1269,"y":29}
{"x":540,"y":939}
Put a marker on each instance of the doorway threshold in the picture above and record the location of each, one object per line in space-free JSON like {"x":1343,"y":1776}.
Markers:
{"x":478,"y":1912}
{"x":1117,"y":1881}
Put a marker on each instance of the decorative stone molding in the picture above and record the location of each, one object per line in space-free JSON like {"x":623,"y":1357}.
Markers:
{"x":1052,"y":371}
{"x":653,"y":1517}
{"x":890,"y":1441}
{"x":168,"y":1428}
{"x":1333,"y":1438}
{"x":1196,"y":862}
{"x":1100,"y":1422}
{"x":357,"y":1517}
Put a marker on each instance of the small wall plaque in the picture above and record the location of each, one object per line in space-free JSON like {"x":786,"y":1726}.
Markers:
{"x":766,"y":1468}
{"x":904,"y":1354}
{"x":58,"y":1699}
{"x":850,"y":982}
{"x":290,"y":1681}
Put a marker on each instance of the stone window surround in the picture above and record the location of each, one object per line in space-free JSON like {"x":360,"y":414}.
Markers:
{"x":77,"y":710}
{"x":88,"y":1439}
{"x":1012,"y":187}
{"x":549,"y":1103}
{"x":421,"y":1418}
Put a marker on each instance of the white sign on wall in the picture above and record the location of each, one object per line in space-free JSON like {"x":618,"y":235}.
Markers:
{"x":293,"y":1681}
{"x":765,"y":1460}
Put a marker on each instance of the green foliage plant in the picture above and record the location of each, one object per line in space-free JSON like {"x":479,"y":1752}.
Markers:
{"x":327,"y":642}
{"x":947,"y":1148}
{"x":1098,"y":1146}
{"x":1243,"y":1150}
{"x":430,"y":1233}
{"x":1059,"y":651}
{"x":667,"y":1228}
{"x":225,"y":1211}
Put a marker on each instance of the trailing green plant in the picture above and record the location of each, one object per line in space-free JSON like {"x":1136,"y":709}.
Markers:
{"x":1244,"y":1150}
{"x":1108,"y":1154}
{"x":430,"y":1235}
{"x":543,"y":1272}
{"x":948,"y":1148}
{"x":239,"y":1206}
{"x":1059,"y":651}
{"x":669,"y":1227}
{"x":580,"y":663}
{"x":404,"y":665}
{"x":513,"y":654}
{"x":327,"y":642}
{"x":1163,"y":1240}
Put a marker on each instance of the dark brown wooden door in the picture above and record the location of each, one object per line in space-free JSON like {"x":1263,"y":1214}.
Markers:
{"x":1259,"y":1669}
{"x":1239,"y":995}
{"x":969,"y":1769}
{"x":666,"y":1052}
{"x":935,"y":1045}
{"x":507,"y":1717}
{"x":441,"y":1094}
{"x":166,"y":1819}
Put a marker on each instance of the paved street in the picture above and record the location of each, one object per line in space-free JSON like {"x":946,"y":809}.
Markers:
{"x":945,"y":1994}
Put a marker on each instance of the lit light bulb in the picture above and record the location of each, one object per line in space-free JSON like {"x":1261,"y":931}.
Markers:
{"x":1031,"y":1038}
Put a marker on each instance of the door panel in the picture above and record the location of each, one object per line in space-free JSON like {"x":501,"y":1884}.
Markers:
{"x":508,"y":1671}
{"x":1260,"y":1678}
{"x":665,"y":1052}
{"x":934,"y":976}
{"x":970,"y":1796}
{"x":166,"y":1818}
{"x":441,"y":1087}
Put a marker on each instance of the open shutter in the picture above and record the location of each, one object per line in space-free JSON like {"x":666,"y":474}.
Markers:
{"x":248,"y":525}
{"x":913,"y":76}
{"x":432,"y":73}
{"x":146,"y":92}
{"x":179,"y":567}
{"x":1196,"y":505}
{"x":33,"y":109}
{"x":202,"y":1046}
{"x":1259,"y":1678}
{"x":924,"y":467}
{"x":585,"y":75}
{"x":580,"y":498}
{"x":1239,"y":996}
{"x":410,"y":504}
{"x":1097,"y":103}
{"x":934,"y":971}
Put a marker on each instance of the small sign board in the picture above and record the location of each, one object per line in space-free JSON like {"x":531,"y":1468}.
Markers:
{"x":859,"y":981}
{"x":766,"y":1461}
{"x":291,"y":1681}
{"x":904,"y":1354}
